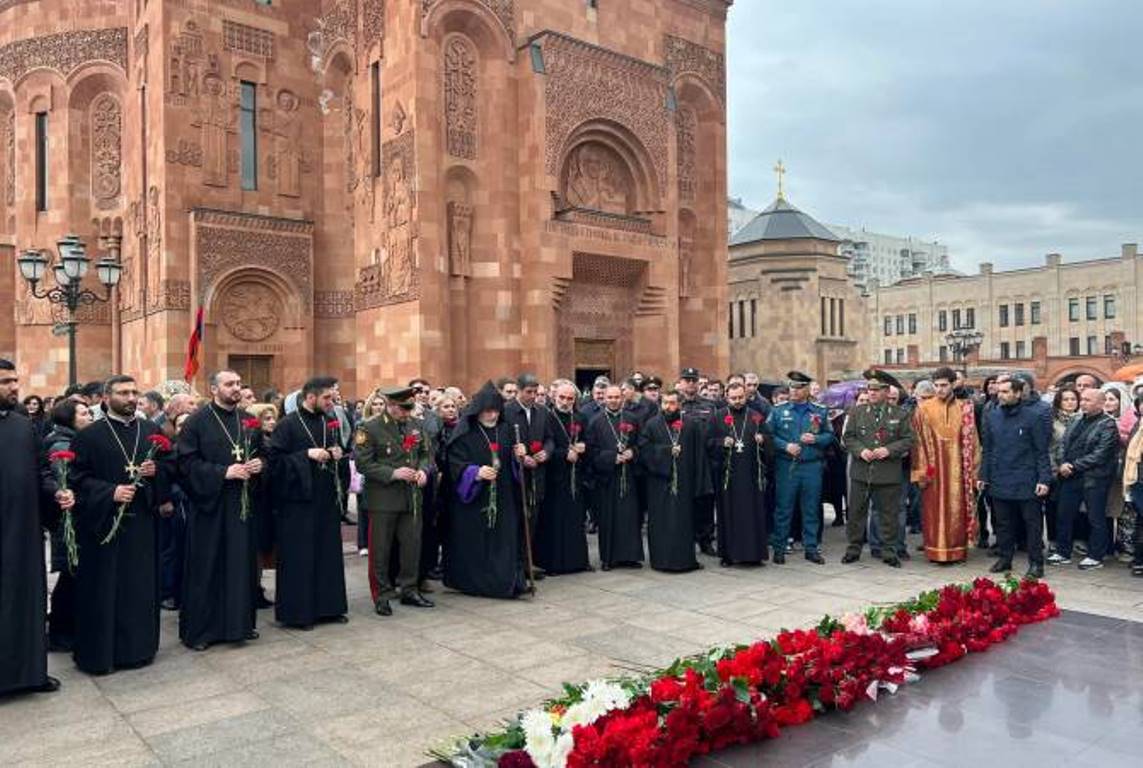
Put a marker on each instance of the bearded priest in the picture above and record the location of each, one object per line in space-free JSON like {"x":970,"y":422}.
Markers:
{"x":611,"y":447}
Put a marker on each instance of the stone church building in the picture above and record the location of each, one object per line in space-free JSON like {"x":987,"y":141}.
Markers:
{"x":370,"y":188}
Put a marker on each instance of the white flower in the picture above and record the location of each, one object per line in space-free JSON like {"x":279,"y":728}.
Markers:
{"x":563,"y":749}
{"x":538,"y":738}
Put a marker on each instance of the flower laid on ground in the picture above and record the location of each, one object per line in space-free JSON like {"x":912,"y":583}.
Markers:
{"x":158,"y":444}
{"x":61,"y":461}
{"x":743,"y":694}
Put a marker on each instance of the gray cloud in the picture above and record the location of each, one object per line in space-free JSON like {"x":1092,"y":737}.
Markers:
{"x":1005,"y":128}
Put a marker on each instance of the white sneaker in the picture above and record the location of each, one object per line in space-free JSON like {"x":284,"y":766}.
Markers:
{"x":1057,"y":559}
{"x":363,"y":553}
{"x":1088,"y":564}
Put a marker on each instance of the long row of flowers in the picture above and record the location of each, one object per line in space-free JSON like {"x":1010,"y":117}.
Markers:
{"x":744,"y":694}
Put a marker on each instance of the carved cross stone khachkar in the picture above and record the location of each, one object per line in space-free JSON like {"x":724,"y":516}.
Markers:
{"x":459,"y":238}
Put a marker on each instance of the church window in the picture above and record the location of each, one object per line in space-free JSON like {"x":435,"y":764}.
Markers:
{"x":375,"y":122}
{"x":41,"y":161}
{"x":943,"y":320}
{"x":753,"y":317}
{"x":741,"y":318}
{"x":248,"y":134}
{"x":841,"y":317}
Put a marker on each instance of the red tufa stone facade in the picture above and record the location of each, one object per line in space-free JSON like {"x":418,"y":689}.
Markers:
{"x":453,"y":188}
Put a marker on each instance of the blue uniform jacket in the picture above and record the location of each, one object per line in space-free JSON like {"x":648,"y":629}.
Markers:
{"x":787,"y":426}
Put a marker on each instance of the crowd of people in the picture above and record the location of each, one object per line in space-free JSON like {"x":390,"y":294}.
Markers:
{"x":178,"y":501}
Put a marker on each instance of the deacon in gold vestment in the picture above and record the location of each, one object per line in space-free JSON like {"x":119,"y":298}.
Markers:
{"x":946,"y":453}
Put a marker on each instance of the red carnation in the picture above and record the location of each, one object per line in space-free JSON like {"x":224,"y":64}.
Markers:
{"x":494,"y":447}
{"x":61,"y":456}
{"x":160,"y":442}
{"x":728,"y":420}
{"x":575,"y":428}
{"x":252,"y":423}
{"x":535,"y":447}
{"x":756,"y":418}
{"x":626,"y":427}
{"x":517,"y":758}
{"x":677,"y":425}
{"x":334,"y":425}
{"x":410,"y":442}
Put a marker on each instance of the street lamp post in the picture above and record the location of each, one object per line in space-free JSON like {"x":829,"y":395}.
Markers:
{"x":69,"y":271}
{"x":962,"y":342}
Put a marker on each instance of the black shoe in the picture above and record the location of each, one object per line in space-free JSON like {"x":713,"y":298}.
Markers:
{"x":1137,"y":570}
{"x":342,"y":619}
{"x":850,"y":557}
{"x":435,"y":574}
{"x":605,"y":567}
{"x":252,"y":635}
{"x":199,"y":647}
{"x":837,"y":523}
{"x":815,"y":557}
{"x":892,"y":562}
{"x":904,"y":555}
{"x":779,"y":557}
{"x":725,"y":563}
{"x":1001,"y":566}
{"x":417,"y":600}
{"x":875,"y":553}
{"x":1035,"y":571}
{"x":707,"y":549}
{"x":59,"y":644}
{"x":50,"y":685}
{"x":383,"y":608}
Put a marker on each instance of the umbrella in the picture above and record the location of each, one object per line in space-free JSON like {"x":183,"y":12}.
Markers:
{"x":1128,"y":373}
{"x":842,"y":394}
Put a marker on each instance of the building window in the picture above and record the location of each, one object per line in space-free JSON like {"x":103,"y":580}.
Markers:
{"x":900,"y":325}
{"x":888,"y":357}
{"x":1091,"y":308}
{"x":1021,"y":351}
{"x":1034,"y":311}
{"x":888,"y":325}
{"x":248,"y":134}
{"x":1107,"y":346}
{"x":730,"y":321}
{"x":970,"y":318}
{"x":1018,"y":311}
{"x":943,"y":320}
{"x":1004,"y":350}
{"x":1091,"y":347}
{"x":41,"y":161}
{"x":1003,"y":315}
{"x":943,"y":354}
{"x":823,"y":319}
{"x":1073,"y":346}
{"x":912,"y":322}
{"x":956,"y":320}
{"x":741,"y":319}
{"x":900,"y":356}
{"x":1109,"y":307}
{"x":753,"y":317}
{"x":841,"y":317}
{"x":375,"y":123}
{"x":1073,"y":310}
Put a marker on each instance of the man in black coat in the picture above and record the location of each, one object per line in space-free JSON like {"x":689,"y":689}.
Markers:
{"x":529,"y":425}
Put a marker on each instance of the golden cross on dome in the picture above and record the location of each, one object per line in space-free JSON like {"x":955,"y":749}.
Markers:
{"x":781,"y":171}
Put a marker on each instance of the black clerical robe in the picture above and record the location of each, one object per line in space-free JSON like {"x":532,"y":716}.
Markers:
{"x":532,"y":425}
{"x":117,"y":583}
{"x":221,"y":562}
{"x":484,"y":557}
{"x":741,"y":491}
{"x":23,"y":583}
{"x":615,"y":499}
{"x":561,"y":538}
{"x":311,"y":569}
{"x":673,"y":484}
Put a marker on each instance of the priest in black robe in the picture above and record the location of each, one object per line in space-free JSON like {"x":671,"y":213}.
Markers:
{"x":215,"y":461}
{"x":485,"y":555}
{"x":303,"y":455}
{"x":672,"y":453}
{"x":117,"y":581}
{"x":611,"y":441}
{"x":23,"y":583}
{"x":561,"y":538}
{"x":737,"y":437}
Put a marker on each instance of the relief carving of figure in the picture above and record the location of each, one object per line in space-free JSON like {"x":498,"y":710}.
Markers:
{"x":288,"y":145}
{"x":398,"y":266}
{"x":460,"y":98}
{"x":459,"y":238}
{"x":154,"y":246}
{"x":217,"y":117}
{"x":251,"y":311}
{"x":597,"y":180}
{"x":686,"y":255}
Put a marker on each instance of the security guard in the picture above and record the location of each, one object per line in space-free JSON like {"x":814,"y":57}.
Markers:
{"x":395,"y":455}
{"x":699,"y":408}
{"x":878,"y":436}
{"x":802,"y":432}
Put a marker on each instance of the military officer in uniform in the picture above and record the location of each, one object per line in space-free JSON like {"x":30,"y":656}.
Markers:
{"x":802,"y":432}
{"x":878,"y":436}
{"x":395,"y":456}
{"x":694,"y":406}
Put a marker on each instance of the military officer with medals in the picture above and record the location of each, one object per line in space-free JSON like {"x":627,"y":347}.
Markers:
{"x":878,"y":436}
{"x":801,"y":432}
{"x":395,"y":456}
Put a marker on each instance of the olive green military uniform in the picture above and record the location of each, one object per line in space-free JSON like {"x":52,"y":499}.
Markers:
{"x":872,"y":427}
{"x":379,"y":450}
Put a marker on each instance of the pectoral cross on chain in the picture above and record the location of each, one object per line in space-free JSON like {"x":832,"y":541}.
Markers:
{"x":132,"y":469}
{"x":238,"y":454}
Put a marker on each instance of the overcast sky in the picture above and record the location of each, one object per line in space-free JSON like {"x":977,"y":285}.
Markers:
{"x":1006,"y":129}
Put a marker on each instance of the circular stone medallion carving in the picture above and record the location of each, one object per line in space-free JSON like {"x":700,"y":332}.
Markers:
{"x":251,"y":311}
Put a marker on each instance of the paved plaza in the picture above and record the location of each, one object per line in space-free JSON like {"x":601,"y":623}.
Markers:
{"x":378,"y":692}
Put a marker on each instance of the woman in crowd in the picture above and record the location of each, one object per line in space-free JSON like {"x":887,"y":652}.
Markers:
{"x":1065,"y":405}
{"x":1122,"y":523}
{"x":373,"y":406}
{"x":438,"y":493}
{"x":34,"y":407}
{"x":267,"y":415}
{"x":67,"y":418}
{"x":1133,"y":486}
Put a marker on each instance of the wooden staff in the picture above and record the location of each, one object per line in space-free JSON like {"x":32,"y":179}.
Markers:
{"x":529,"y":573}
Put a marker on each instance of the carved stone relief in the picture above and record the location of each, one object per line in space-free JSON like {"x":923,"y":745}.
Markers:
{"x":251,"y":311}
{"x":459,"y":238}
{"x":394,"y":278}
{"x":63,"y":52}
{"x":333,"y":304}
{"x":686,"y":125}
{"x":106,"y":150}
{"x":586,"y":83}
{"x":227,"y":240}
{"x":217,"y":117}
{"x":185,"y":153}
{"x":186,"y":63}
{"x":504,"y":10}
{"x":350,"y":130}
{"x":9,"y":149}
{"x":597,"y":179}
{"x":288,"y":145}
{"x":372,"y":22}
{"x":460,"y":84}
{"x":684,"y":57}
{"x":686,"y":257}
{"x":337,"y":24}
{"x":154,"y":245}
{"x":243,"y":38}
